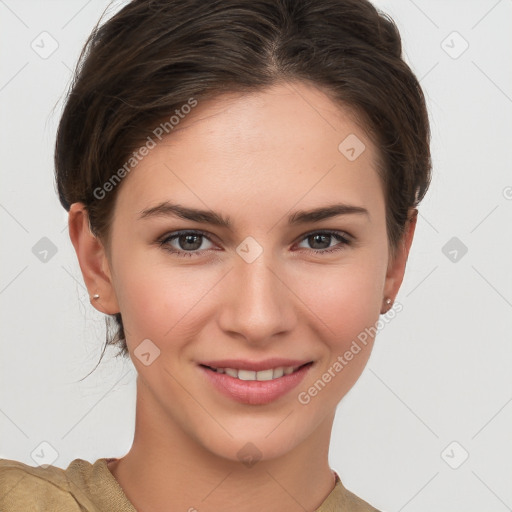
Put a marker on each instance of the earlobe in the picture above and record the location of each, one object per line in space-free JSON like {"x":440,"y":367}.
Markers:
{"x":396,"y":267}
{"x":93,"y":260}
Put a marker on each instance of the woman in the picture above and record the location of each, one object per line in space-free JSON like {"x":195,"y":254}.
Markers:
{"x":242,"y":181}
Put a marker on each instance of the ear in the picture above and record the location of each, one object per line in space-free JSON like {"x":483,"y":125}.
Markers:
{"x":396,"y":265}
{"x":93,"y":260}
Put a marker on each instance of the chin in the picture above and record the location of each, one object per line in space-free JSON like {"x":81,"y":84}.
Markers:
{"x":253,"y":441}
{"x":249,"y":450}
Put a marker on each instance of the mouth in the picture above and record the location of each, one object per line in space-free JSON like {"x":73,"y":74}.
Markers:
{"x":256,"y":383}
{"x":261,"y":375}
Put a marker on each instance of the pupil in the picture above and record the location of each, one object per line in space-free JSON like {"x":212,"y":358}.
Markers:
{"x":190,"y":239}
{"x":319,"y":237}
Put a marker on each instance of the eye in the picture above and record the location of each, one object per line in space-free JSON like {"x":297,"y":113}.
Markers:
{"x":188,"y":243}
{"x":324,"y":238}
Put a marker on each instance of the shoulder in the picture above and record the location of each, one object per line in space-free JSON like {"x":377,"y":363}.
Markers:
{"x":341,"y":499}
{"x":24,"y":488}
{"x":356,"y":504}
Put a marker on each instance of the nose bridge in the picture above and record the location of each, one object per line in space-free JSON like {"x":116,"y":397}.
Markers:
{"x":260,"y":304}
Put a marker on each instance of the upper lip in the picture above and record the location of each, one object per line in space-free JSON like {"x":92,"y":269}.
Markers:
{"x":244,"y":364}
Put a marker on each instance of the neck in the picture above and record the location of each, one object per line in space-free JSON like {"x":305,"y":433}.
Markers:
{"x":167,"y":469}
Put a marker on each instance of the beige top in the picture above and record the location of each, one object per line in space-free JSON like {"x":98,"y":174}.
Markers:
{"x":86,"y":487}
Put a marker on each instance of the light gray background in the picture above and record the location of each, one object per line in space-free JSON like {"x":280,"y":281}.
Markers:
{"x":440,"y":371}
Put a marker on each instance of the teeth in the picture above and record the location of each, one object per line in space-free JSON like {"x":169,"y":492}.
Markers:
{"x":269,"y":374}
{"x":279,"y":372}
{"x":246,"y":375}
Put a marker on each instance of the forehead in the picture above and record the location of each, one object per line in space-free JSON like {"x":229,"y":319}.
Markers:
{"x":277,"y":146}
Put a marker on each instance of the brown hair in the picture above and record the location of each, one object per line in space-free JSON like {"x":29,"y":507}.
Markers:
{"x":153,"y":56}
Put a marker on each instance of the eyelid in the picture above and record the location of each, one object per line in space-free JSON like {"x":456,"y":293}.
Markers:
{"x":339,"y":232}
{"x":175,"y":234}
{"x":209,"y":235}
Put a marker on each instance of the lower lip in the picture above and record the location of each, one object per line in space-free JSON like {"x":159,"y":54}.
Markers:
{"x":254,"y":392}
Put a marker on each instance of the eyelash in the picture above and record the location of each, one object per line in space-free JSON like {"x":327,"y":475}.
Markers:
{"x":164,"y":243}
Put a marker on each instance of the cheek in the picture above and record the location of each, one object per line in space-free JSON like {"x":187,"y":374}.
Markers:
{"x":345,"y":297}
{"x":158,"y":300}
{"x":343,"y":306}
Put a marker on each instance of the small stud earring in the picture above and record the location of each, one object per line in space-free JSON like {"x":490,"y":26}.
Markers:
{"x":388,"y":302}
{"x":95,"y":296}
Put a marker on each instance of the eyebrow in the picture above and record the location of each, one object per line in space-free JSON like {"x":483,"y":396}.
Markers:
{"x":168,"y":209}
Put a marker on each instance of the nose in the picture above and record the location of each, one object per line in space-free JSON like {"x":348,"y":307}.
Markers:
{"x":258,"y":302}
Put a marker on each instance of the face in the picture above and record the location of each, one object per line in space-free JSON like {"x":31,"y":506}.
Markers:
{"x":273,"y":284}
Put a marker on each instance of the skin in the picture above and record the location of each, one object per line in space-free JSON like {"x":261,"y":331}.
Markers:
{"x":256,"y":158}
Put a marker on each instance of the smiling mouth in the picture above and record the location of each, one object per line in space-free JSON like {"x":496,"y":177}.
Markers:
{"x":262,"y":375}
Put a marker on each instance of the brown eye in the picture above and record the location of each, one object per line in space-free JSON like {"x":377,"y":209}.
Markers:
{"x":186,"y":243}
{"x":320,"y":241}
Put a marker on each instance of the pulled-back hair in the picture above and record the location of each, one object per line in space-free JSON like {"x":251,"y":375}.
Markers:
{"x":153,"y":56}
